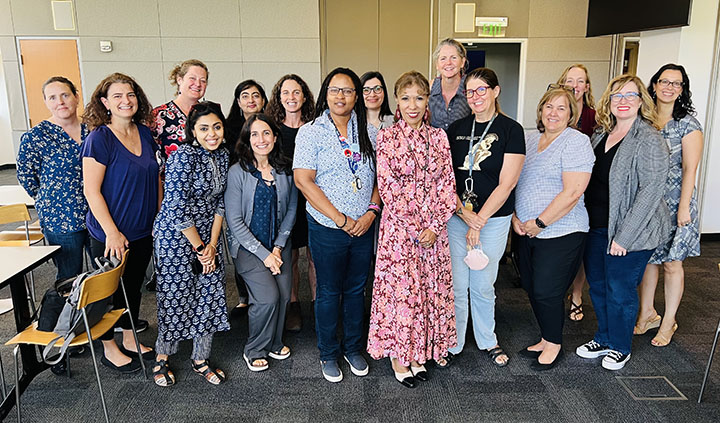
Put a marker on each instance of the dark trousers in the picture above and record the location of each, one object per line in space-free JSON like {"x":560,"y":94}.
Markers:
{"x":613,"y":284}
{"x":547,"y":269}
{"x":342,"y":264}
{"x":138,"y":259}
{"x":69,"y":261}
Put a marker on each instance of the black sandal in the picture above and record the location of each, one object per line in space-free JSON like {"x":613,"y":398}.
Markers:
{"x":575,"y":310}
{"x":207,"y":373}
{"x":162,"y":376}
{"x":448,"y":359}
{"x":496,"y":352}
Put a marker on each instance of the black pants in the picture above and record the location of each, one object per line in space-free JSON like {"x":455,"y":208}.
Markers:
{"x":547,"y":268}
{"x":137,"y":262}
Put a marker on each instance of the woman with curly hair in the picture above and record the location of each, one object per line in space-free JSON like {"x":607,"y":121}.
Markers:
{"x":121,"y":184}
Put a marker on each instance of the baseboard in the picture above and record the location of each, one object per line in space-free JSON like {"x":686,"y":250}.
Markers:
{"x":710,"y":237}
{"x":8,"y":166}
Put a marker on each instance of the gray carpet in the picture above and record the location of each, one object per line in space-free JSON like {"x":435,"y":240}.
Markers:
{"x":471,"y":390}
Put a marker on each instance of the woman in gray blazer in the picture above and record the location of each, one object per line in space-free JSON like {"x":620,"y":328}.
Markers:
{"x":260,"y":205}
{"x":628,"y":217}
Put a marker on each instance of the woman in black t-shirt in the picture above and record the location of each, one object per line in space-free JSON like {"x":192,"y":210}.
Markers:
{"x":488,"y":151}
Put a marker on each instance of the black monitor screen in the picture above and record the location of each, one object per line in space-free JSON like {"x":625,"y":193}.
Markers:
{"x":607,"y":17}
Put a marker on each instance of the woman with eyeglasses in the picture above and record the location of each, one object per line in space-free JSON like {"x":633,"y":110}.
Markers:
{"x":447,"y":103}
{"x":628,"y":217}
{"x":488,"y":151}
{"x":670,"y":89}
{"x":376,"y":101}
{"x":334,"y":167}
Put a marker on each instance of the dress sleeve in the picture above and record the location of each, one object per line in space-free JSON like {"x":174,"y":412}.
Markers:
{"x":393,"y":191}
{"x":577,"y":155}
{"x":158,"y":124}
{"x":220,"y":208}
{"x":445,"y":188}
{"x":29,"y":162}
{"x":178,"y":189}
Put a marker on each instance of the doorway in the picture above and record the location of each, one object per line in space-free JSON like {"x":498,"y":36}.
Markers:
{"x":41,"y":59}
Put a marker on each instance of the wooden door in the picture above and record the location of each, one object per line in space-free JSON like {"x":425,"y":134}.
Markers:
{"x":42,"y":59}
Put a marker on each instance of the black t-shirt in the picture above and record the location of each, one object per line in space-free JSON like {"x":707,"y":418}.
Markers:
{"x":504,"y":136}
{"x":597,"y":194}
{"x":288,"y":140}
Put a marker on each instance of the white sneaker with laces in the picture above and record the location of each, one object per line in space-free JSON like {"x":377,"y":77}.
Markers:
{"x":615,"y":360}
{"x":592,"y":349}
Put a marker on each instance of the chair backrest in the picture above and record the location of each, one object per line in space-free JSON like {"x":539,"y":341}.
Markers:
{"x":103,"y":285}
{"x":14,"y":213}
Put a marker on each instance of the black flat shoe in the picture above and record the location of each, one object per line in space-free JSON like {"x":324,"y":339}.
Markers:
{"x":542,"y":367}
{"x":132,"y":367}
{"x":406,"y":379}
{"x":147,"y":355}
{"x":526,"y":353}
{"x":419,"y":373}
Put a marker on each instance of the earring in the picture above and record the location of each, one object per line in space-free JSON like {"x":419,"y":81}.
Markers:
{"x":426,"y":116}
{"x":108,"y":112}
{"x":397,"y":114}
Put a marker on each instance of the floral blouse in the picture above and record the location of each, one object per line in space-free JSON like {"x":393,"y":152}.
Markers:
{"x":49,"y":168}
{"x":169,"y":127}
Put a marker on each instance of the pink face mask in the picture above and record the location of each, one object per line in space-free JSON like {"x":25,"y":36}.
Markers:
{"x":476,"y":259}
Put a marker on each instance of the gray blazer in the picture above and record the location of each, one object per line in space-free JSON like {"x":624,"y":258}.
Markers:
{"x":239,"y":200}
{"x":639,"y":219}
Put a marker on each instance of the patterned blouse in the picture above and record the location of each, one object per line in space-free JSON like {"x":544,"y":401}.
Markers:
{"x":441,"y":116}
{"x":49,"y":168}
{"x":169,"y":127}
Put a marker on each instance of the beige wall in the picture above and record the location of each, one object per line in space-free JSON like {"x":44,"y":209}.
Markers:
{"x":237,"y":39}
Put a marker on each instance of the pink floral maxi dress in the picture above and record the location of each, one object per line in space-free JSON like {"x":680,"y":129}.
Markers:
{"x":412,"y":317}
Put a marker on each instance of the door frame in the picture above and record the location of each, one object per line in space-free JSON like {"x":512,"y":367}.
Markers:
{"x":523,"y":64}
{"x":22,"y":71}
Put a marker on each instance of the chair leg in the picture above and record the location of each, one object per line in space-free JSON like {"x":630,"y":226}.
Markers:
{"x":2,"y":379}
{"x":95,"y":366}
{"x":30,"y":286}
{"x":16,"y":351}
{"x":710,"y":359}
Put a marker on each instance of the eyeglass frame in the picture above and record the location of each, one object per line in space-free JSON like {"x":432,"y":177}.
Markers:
{"x":666,"y":82}
{"x":618,"y":97}
{"x":483,"y":88}
{"x":347,"y":92}
{"x":560,"y":86}
{"x":377,"y":89}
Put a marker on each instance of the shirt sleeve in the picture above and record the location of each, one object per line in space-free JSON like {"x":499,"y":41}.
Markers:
{"x":98,"y":146}
{"x":305,"y":156}
{"x":577,"y":156}
{"x":516,"y":139}
{"x":692,"y":125}
{"x":29,"y":162}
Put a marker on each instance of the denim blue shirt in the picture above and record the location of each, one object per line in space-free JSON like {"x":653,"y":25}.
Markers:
{"x":49,"y":168}
{"x":317,"y":148}
{"x":441,"y":116}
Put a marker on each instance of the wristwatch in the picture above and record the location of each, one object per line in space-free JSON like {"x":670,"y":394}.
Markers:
{"x":540,"y":224}
{"x":459,"y":211}
{"x":199,"y":248}
{"x":279,"y":247}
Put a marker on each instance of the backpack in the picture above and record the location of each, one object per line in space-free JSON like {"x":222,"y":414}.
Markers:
{"x":70,"y":321}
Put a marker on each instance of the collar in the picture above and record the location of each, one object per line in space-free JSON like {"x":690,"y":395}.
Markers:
{"x":325,"y":121}
{"x":437,"y":87}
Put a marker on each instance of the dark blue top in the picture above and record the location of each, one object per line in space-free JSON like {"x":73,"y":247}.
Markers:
{"x":264,"y":219}
{"x":49,"y":168}
{"x":130,"y":186}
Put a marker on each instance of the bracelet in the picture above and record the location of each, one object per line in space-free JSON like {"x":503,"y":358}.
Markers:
{"x":344,"y":223}
{"x":374,"y":206}
{"x":375,"y":212}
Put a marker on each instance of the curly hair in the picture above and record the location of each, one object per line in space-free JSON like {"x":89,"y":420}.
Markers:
{"x":551,"y":95}
{"x":607,"y":121}
{"x":181,"y":69}
{"x":683,"y":104}
{"x":96,"y":114}
{"x":275,"y":108}
{"x":588,"y":98}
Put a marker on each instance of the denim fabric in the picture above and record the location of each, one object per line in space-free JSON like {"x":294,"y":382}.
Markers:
{"x":342,"y":264}
{"x":613,"y":284}
{"x":69,"y":261}
{"x":480,"y":283}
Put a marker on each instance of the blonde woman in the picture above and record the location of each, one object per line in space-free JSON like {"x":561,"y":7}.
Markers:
{"x":447,"y":91}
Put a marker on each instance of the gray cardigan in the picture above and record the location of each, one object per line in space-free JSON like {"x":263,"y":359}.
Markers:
{"x":639,"y":219}
{"x":239,"y":200}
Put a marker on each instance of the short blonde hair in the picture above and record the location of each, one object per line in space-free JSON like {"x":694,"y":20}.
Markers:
{"x":587,"y":97}
{"x":549,"y":96}
{"x":604,"y":116}
{"x":181,"y":69}
{"x":458,"y":46}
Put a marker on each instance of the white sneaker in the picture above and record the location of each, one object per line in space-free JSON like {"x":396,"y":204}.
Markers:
{"x":615,"y":360}
{"x":592,"y":349}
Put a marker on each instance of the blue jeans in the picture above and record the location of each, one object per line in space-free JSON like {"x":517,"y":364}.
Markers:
{"x":613,"y":284}
{"x":69,"y":261}
{"x":342,"y":264}
{"x":480,"y":283}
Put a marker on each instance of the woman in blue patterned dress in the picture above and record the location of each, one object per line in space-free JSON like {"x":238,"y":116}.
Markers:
{"x":670,"y":88}
{"x":191,"y":276}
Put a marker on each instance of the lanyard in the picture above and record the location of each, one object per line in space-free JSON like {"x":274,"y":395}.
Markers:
{"x":469,"y":186}
{"x":353,"y":157}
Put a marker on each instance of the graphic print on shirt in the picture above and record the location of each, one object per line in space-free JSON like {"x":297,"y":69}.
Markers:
{"x":480,"y":151}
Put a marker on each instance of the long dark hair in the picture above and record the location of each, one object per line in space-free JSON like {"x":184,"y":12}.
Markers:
{"x":385,"y":106}
{"x":243,"y":149}
{"x":683,"y":104}
{"x":275,"y":108}
{"x":235,"y":119}
{"x":366,"y":147}
{"x":197,"y":111}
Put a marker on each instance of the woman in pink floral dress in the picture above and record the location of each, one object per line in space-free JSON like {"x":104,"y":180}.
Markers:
{"x":413,"y":316}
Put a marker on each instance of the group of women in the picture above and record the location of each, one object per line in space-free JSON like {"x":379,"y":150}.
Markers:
{"x":443,"y":180}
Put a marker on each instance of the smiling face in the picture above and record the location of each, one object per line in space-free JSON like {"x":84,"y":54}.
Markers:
{"x":209,"y":131}
{"x":481,"y":104}
{"x":250,"y":101}
{"x":262,"y":139}
{"x":449,"y":61}
{"x":121,"y":100}
{"x":577,"y":80}
{"x":193,"y":84}
{"x":341,"y":104}
{"x":668,"y":93}
{"x":412,"y":104}
{"x":624,"y":108}
{"x":556,"y":114}
{"x":60,"y":100}
{"x":291,"y":96}
{"x":373,"y":99}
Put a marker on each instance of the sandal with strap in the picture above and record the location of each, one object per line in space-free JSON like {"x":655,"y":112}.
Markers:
{"x":215,"y":377}
{"x":162,"y":376}
{"x":495,"y":353}
{"x":662,"y":339}
{"x":643,"y":326}
{"x":576,"y":310}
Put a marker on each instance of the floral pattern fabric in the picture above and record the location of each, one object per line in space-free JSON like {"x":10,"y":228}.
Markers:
{"x":169,"y":127}
{"x":412,"y":316}
{"x":49,"y":168}
{"x":188,"y":305}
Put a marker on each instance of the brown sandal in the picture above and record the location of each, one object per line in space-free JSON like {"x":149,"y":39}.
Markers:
{"x":662,"y":339}
{"x":643,"y":326}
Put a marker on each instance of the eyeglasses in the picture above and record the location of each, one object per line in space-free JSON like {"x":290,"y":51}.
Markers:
{"x":559,"y":86}
{"x":478,"y":90}
{"x":629,"y":96}
{"x":347,"y":92}
{"x":675,"y":84}
{"x":376,"y":89}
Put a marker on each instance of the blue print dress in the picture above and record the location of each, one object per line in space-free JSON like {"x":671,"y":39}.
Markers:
{"x":685,"y":240}
{"x":190,"y":306}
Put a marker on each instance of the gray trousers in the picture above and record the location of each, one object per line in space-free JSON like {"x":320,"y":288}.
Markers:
{"x":268,"y":299}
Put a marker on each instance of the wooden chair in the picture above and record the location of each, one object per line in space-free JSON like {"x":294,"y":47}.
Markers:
{"x":94,"y":288}
{"x":20,"y":238}
{"x":710,"y":359}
